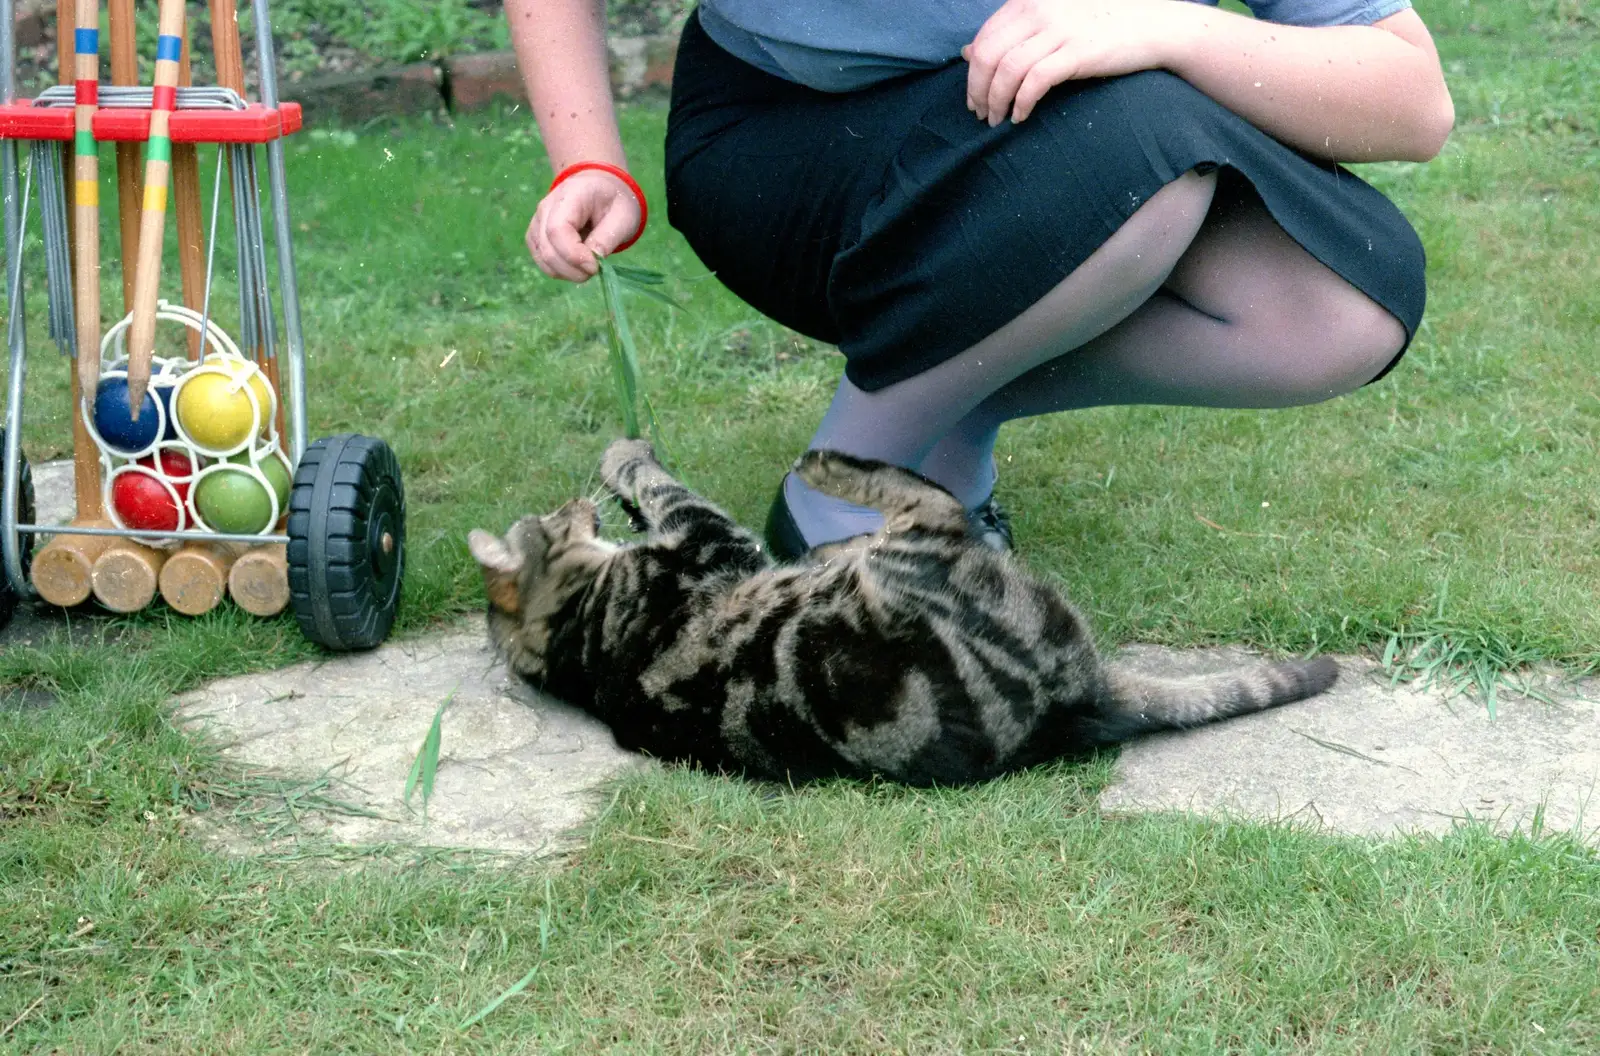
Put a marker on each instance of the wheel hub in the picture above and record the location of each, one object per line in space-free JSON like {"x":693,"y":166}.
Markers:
{"x":383,"y":545}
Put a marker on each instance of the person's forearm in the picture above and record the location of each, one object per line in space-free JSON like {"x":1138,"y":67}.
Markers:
{"x":1345,"y":93}
{"x":561,"y":51}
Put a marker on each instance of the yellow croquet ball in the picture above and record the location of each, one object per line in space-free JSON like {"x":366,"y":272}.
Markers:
{"x":258,"y":382}
{"x":215,"y":410}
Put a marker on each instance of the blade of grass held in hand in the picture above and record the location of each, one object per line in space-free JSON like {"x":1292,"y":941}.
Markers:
{"x":624,"y":354}
{"x":644,"y":281}
{"x":631,"y":274}
{"x":619,"y":335}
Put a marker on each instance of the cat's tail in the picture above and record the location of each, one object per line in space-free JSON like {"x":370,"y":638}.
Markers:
{"x":1142,"y":703}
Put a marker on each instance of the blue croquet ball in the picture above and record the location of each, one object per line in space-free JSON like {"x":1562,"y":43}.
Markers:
{"x":114,"y":421}
{"x":164,"y":394}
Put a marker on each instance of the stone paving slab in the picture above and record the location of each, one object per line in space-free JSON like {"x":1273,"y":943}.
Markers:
{"x":1369,"y":759}
{"x":54,"y":502}
{"x":519,"y":773}
{"x":52,"y":492}
{"x":516,"y":772}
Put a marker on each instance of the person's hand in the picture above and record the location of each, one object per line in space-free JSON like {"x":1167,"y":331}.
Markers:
{"x":590,"y":214}
{"x":1030,"y":46}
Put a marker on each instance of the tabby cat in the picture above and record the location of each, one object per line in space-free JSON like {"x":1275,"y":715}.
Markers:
{"x":914,"y":654}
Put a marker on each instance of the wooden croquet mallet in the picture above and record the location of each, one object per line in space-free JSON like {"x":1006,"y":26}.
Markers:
{"x":62,"y":568}
{"x":194,"y":579}
{"x":86,"y":195}
{"x":153,"y":216}
{"x":130,"y":156}
{"x":186,"y":210}
{"x":230,"y":74}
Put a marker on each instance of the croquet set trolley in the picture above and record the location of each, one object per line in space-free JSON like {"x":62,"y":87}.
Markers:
{"x":192,"y":472}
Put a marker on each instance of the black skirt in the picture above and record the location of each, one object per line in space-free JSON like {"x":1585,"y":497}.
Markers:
{"x":893,"y":223}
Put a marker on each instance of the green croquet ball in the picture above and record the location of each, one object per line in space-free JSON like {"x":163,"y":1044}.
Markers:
{"x":275,"y":471}
{"x":233,"y":501}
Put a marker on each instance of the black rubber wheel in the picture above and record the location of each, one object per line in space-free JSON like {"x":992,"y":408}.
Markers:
{"x":8,"y":596}
{"x":347,"y":539}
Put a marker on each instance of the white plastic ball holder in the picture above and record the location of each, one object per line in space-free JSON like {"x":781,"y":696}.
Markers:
{"x":273,"y":450}
{"x":223,"y":358}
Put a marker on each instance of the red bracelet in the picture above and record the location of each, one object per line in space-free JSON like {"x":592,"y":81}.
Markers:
{"x":619,"y":173}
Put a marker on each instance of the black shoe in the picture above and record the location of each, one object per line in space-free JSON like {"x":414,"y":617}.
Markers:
{"x":988,"y":524}
{"x":784,"y":541}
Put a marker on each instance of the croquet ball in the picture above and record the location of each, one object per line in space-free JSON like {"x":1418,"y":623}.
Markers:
{"x":164,"y":394}
{"x":242,"y":368}
{"x":274,"y":470}
{"x":175,"y":466}
{"x":233,"y":501}
{"x":141,"y":501}
{"x":215,"y":411}
{"x":113,"y":417}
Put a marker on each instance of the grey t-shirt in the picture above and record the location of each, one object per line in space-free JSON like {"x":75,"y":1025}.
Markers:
{"x":843,"y":45}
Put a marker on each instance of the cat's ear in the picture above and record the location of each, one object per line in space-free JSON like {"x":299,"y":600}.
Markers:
{"x":501,"y":566}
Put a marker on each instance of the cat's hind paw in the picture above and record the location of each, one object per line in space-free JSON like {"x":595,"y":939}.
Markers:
{"x":907,"y":499}
{"x":835,"y":473}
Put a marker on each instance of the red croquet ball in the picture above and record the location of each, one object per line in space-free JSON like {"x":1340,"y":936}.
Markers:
{"x":176,"y":467}
{"x":144,"y":503}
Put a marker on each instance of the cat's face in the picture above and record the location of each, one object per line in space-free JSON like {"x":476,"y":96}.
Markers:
{"x":531,"y":574}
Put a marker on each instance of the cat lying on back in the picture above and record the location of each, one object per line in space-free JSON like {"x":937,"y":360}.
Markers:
{"x":915,"y":654}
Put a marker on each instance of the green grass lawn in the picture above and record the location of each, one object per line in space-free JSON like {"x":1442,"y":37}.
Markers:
{"x":1453,"y":510}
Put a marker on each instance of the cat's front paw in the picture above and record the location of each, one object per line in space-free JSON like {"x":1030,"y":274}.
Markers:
{"x":635,"y":515}
{"x":620,"y":465}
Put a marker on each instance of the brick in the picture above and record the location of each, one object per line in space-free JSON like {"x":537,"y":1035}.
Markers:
{"x":476,"y":81}
{"x":353,"y":98}
{"x":660,"y":55}
{"x":28,"y":26}
{"x":641,"y":65}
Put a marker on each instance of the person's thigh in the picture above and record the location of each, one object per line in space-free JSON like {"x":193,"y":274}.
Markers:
{"x":1280,"y":301}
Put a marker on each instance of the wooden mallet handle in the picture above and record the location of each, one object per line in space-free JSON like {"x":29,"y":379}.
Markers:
{"x":152,"y":218}
{"x":86,"y":193}
{"x":130,"y":156}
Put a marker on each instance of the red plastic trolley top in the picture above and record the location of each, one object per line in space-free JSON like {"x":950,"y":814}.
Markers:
{"x":254,"y":124}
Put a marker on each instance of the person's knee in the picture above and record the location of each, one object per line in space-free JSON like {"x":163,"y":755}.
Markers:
{"x":1347,"y":339}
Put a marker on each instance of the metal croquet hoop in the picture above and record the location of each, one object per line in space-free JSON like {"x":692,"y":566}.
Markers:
{"x":342,"y":522}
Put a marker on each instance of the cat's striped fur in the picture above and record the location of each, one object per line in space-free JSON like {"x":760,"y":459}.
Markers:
{"x":913,"y":654}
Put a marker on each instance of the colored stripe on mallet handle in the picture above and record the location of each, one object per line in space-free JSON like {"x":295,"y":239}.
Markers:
{"x":86,"y":194}
{"x":152,"y":218}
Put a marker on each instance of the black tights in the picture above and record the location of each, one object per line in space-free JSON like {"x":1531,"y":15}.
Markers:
{"x":1200,"y":299}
